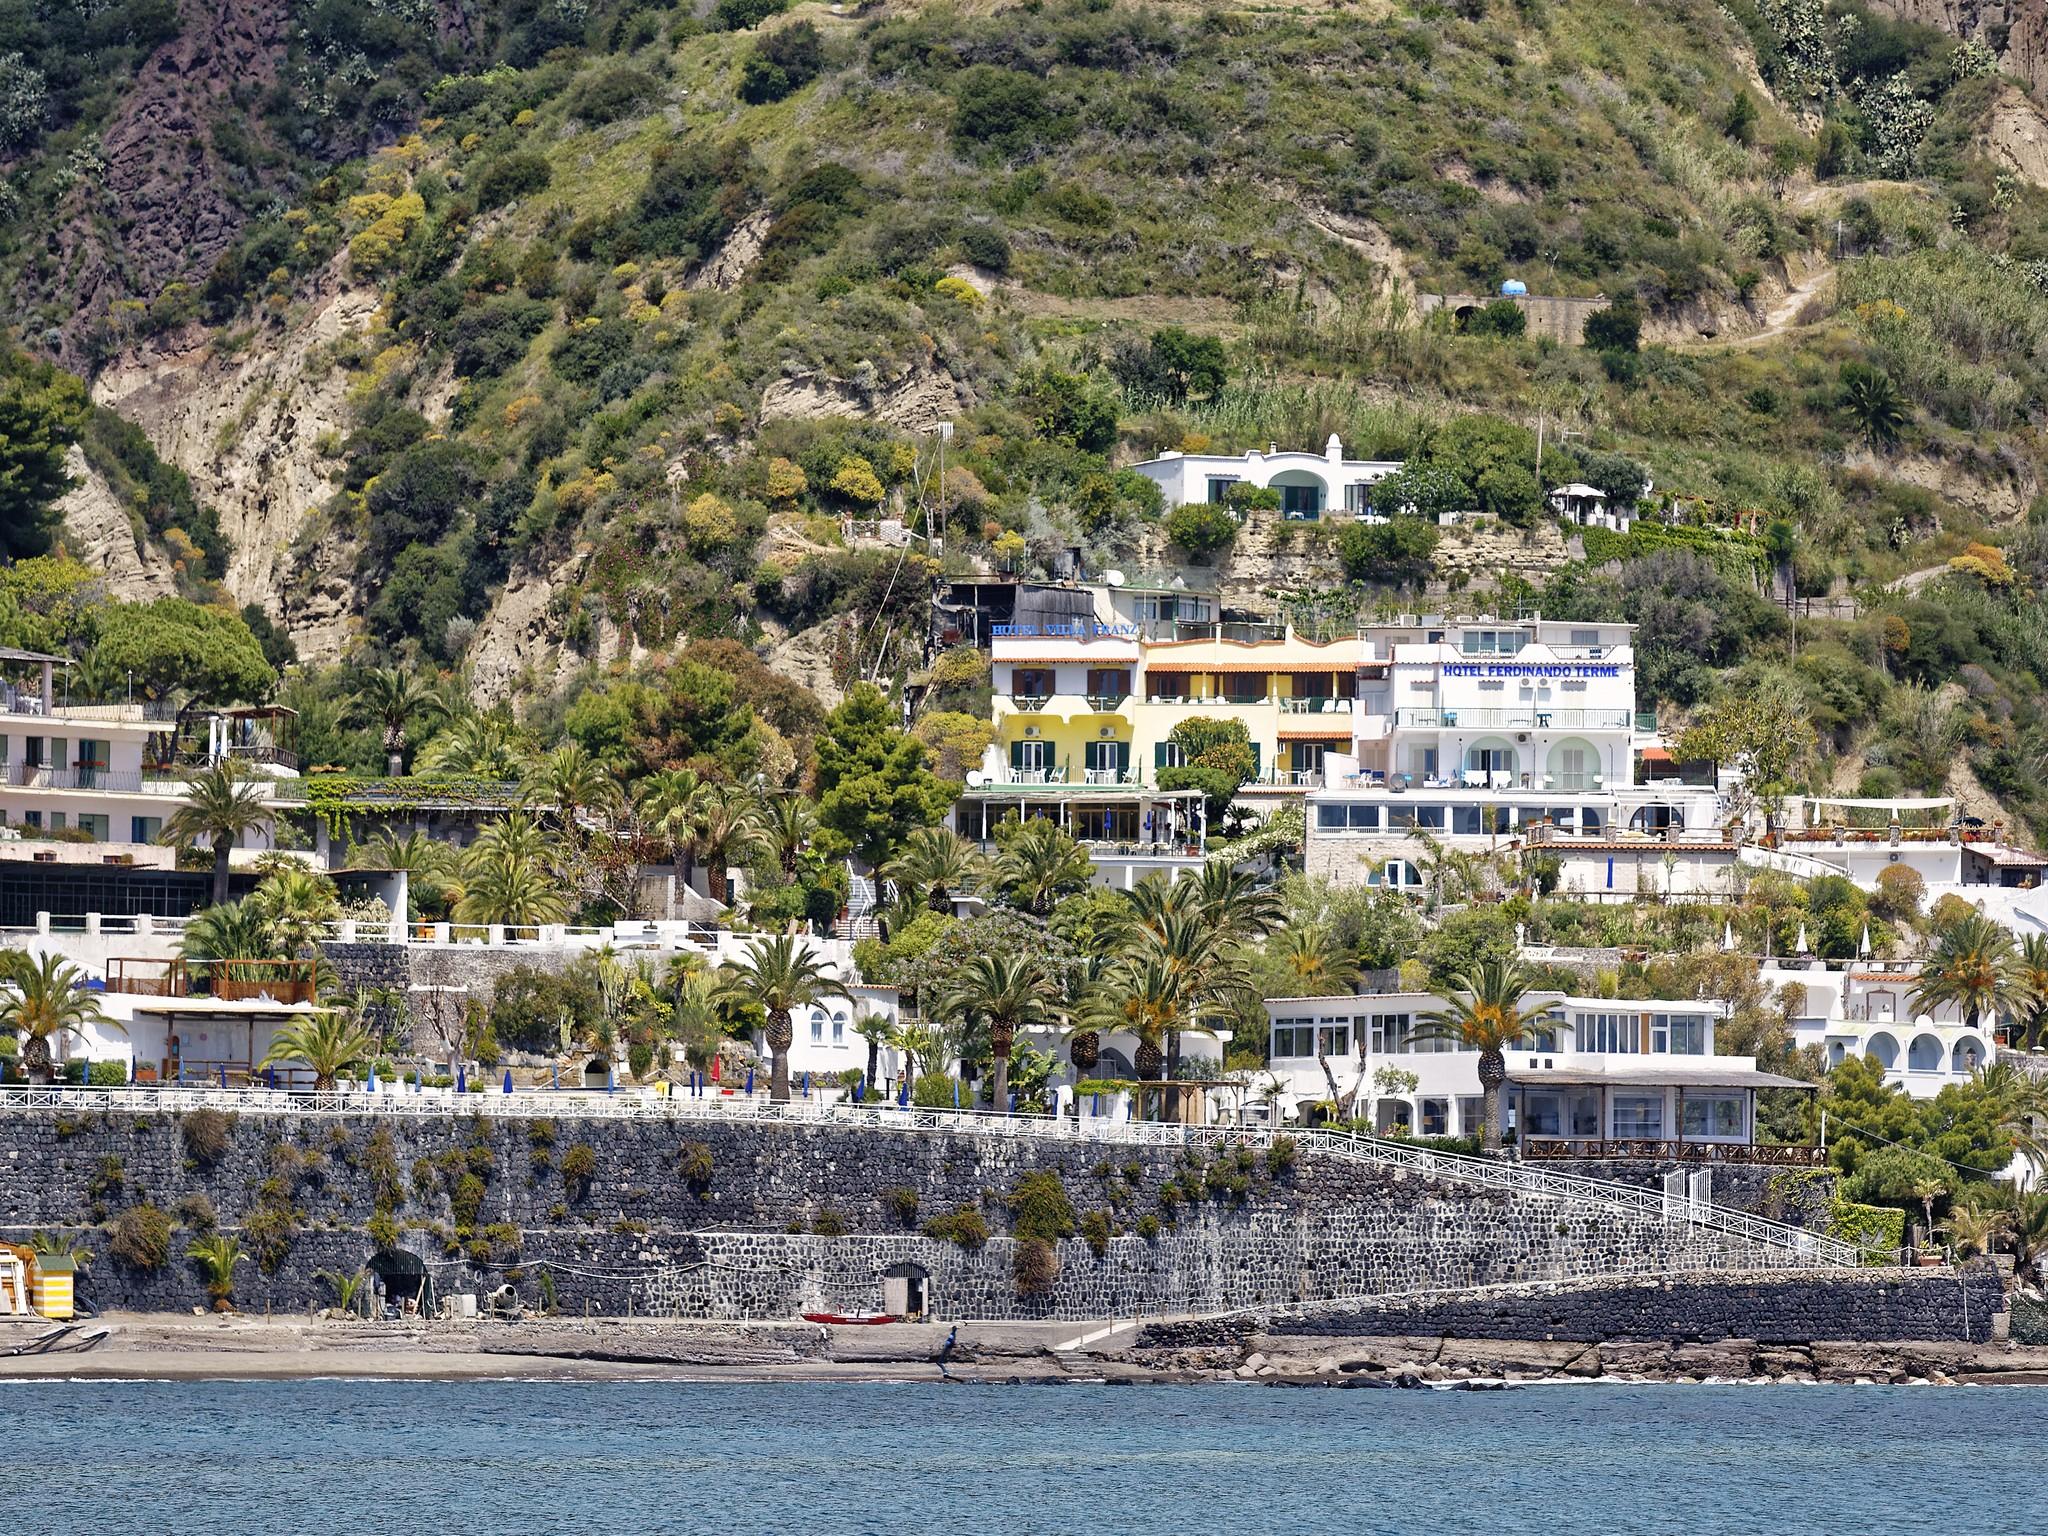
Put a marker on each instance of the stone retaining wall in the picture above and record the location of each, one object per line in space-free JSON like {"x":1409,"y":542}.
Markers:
{"x":1864,"y":1306}
{"x":729,"y":1219}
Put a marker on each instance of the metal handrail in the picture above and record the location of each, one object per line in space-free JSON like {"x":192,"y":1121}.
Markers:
{"x":1514,"y":1178}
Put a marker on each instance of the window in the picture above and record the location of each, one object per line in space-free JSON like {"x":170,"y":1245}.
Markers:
{"x":1468,"y":821}
{"x":1109,"y":682}
{"x":1031,"y":682}
{"x":1585,"y":637}
{"x":1167,"y":687}
{"x":1389,"y":1033}
{"x":32,"y":819}
{"x":1584,"y":1110}
{"x":1333,"y":1037}
{"x":817,"y":1026}
{"x":1542,"y":1114}
{"x":1301,"y":503}
{"x":1357,"y":497}
{"x":1168,"y":754}
{"x":1030,"y":756}
{"x":839,"y":1027}
{"x":1365,"y":818}
{"x":56,"y":821}
{"x":1678,"y":1034}
{"x":93,"y":826}
{"x":1639,"y":1116}
{"x":1714,"y":1114}
{"x":145,"y":829}
{"x":1219,"y":490}
{"x":1106,"y":758}
{"x":1592,"y":818}
{"x":1610,"y":1033}
{"x":1400,"y":817}
{"x":1491,"y":642}
{"x":1436,"y":1117}
{"x":1430,"y":817}
{"x":4,"y":741}
{"x":1294,"y":1038}
{"x":1244,"y":687}
{"x":1471,"y":1114}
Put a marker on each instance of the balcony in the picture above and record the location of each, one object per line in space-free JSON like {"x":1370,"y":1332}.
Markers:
{"x":105,"y":781}
{"x":1107,"y":703}
{"x":1515,"y":719}
{"x":1770,"y":1154}
{"x":1313,"y":704}
{"x":251,"y":752}
{"x":1031,"y":703}
{"x":276,"y":981}
{"x":137,"y":711}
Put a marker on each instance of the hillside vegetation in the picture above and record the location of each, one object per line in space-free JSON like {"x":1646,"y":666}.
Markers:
{"x":658,"y":301}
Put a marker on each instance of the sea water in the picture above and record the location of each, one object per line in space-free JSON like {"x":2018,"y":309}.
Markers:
{"x":611,"y":1459}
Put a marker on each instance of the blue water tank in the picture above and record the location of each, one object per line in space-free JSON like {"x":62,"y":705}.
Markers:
{"x":1514,"y":285}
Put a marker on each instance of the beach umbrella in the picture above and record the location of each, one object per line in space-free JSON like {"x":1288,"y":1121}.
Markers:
{"x":1094,"y":1104}
{"x":554,"y":1074}
{"x":461,"y":1079}
{"x":860,"y":1088}
{"x":611,"y":1078}
{"x":223,"y":1075}
{"x":903,"y":1093}
{"x":807,"y":1085}
{"x":1863,"y":945}
{"x":508,"y":1079}
{"x":1728,"y":934}
{"x":715,"y":1074}
{"x":750,"y":1082}
{"x":1803,"y":948}
{"x":370,"y":1082}
{"x":270,"y":1075}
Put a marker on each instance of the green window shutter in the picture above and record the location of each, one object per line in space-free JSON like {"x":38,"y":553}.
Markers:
{"x":1016,"y":754}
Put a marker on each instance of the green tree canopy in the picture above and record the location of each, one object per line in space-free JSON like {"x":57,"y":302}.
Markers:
{"x":42,"y":411}
{"x":873,"y":786}
{"x":174,"y":645}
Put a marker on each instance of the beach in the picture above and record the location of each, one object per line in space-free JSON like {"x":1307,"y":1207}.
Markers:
{"x":232,"y":1346}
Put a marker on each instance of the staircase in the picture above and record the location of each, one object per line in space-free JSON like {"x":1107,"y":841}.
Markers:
{"x":863,"y":901}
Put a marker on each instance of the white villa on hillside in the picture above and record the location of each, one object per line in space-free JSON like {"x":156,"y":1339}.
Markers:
{"x":1309,"y":484}
{"x":1606,"y":1072}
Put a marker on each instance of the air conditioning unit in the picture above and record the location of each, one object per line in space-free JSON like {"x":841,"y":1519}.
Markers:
{"x":1106,"y":732}
{"x":1521,"y":735}
{"x":1030,"y":730}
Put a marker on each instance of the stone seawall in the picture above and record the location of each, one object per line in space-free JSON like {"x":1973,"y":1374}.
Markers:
{"x":1864,"y":1306}
{"x":739,"y":1220}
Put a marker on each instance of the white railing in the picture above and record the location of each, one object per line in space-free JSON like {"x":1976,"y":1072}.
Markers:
{"x":1515,"y":1178}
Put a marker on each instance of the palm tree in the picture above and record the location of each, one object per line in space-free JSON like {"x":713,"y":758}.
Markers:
{"x":218,"y":1256}
{"x":935,"y":865}
{"x":431,"y":866}
{"x":1241,"y":905}
{"x":670,"y":803}
{"x":779,"y":974}
{"x":326,"y":1041}
{"x":569,"y":780}
{"x":878,"y":1029}
{"x":2027,"y":1233}
{"x":42,"y":997}
{"x":509,"y":885}
{"x":1973,"y":968}
{"x":1318,"y":965}
{"x":476,"y":747}
{"x":295,"y":905}
{"x":2033,"y":978}
{"x":236,"y":931}
{"x":1972,"y":1231}
{"x":728,"y":832}
{"x":1488,"y":1018}
{"x":789,"y":826}
{"x":696,"y":1023}
{"x":389,"y":699}
{"x":2019,"y":1102}
{"x":220,"y":805}
{"x":1009,"y":993}
{"x":1039,"y":864}
{"x":1874,"y":403}
{"x":1145,"y":995}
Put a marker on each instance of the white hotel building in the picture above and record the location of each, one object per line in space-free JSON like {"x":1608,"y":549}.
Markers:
{"x":1311,"y":485}
{"x":1478,"y":732}
{"x":1605,"y":1072}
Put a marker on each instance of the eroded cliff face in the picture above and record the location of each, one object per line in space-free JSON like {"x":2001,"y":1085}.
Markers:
{"x":100,"y":535}
{"x":2015,"y":30}
{"x":248,"y":426}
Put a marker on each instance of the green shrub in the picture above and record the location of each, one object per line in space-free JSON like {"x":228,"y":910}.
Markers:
{"x":108,"y":1074}
{"x":741,"y":15}
{"x":466,"y":1200}
{"x":579,"y":1167}
{"x":1874,"y":1229}
{"x":1004,"y":110}
{"x":1039,"y":1207}
{"x":784,"y":63}
{"x":1502,"y":317}
{"x":1095,"y":1231}
{"x":140,"y":1237}
{"x":828,"y":1223}
{"x":694,"y":1163}
{"x":514,"y":176}
{"x":383,"y":1230}
{"x":1034,"y":1266}
{"x":612,"y":94}
{"x":901,"y":1202}
{"x":984,"y":246}
{"x":963,"y":1227}
{"x":197,"y":1212}
{"x":1148,"y":1227}
{"x":1201,"y":527}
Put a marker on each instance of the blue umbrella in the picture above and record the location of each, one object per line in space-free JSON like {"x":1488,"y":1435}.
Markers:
{"x":555,"y":1074}
{"x":860,"y":1089}
{"x":750,"y":1082}
{"x":508,"y":1079}
{"x":611,"y":1079}
{"x":1013,"y":1103}
{"x":1094,"y":1103}
{"x":903,"y":1093}
{"x":270,"y":1075}
{"x":223,"y":1075}
{"x":462,"y":1079}
{"x":807,"y":1085}
{"x":372,"y":1084}
{"x":956,"y":1093}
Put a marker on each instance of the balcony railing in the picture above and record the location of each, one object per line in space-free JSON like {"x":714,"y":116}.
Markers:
{"x":1516,"y":719}
{"x":1315,"y":704}
{"x":1107,"y":703}
{"x":142,"y":711}
{"x":277,"y":981}
{"x":1211,"y":703}
{"x":1539,"y":1148}
{"x":1032,"y":702}
{"x":106,"y":781}
{"x":1103,"y":777}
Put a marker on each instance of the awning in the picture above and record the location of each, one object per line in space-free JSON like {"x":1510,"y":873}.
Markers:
{"x":1655,"y":755}
{"x":2009,"y":858}
{"x":1314,"y":733}
{"x":1653,"y":1077}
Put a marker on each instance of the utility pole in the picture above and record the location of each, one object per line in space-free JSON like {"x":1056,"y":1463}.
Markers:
{"x":945,"y":432}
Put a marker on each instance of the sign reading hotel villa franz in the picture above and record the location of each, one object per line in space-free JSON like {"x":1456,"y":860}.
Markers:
{"x":1080,"y":629}
{"x":1532,"y":669}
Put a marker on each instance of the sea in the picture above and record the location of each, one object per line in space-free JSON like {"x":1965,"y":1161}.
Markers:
{"x":479,"y":1458}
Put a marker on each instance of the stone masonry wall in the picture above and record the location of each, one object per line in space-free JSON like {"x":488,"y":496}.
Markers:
{"x":1865,"y":1306}
{"x":718,"y":1219}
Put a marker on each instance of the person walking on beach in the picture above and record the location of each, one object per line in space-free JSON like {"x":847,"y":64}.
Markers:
{"x":946,"y":1351}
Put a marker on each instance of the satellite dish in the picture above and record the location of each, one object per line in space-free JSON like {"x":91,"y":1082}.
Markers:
{"x":1113,"y":578}
{"x":975,"y":778}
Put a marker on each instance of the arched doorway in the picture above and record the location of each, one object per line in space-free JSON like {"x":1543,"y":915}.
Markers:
{"x":1882,"y":1049}
{"x":1656,"y":818}
{"x":1968,"y":1055}
{"x":401,"y":1281}
{"x":597,"y":1074}
{"x":1924,"y":1055}
{"x":1303,"y":494}
{"x":1574,"y":764}
{"x":1492,"y":761}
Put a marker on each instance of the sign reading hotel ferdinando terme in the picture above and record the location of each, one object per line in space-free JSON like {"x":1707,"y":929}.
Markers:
{"x":1532,"y":669}
{"x":1081,"y":629}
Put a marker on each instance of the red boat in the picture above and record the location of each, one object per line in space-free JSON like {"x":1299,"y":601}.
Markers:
{"x":866,"y":1319}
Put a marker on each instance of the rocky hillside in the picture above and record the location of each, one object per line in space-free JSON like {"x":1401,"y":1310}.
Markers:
{"x":530,"y":337}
